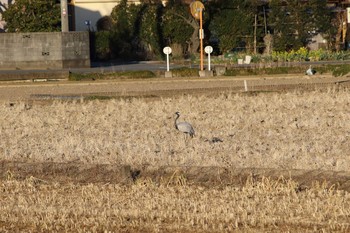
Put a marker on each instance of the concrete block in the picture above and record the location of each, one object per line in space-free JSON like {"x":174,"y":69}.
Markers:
{"x":220,"y":70}
{"x":168,"y":74}
{"x":206,"y":73}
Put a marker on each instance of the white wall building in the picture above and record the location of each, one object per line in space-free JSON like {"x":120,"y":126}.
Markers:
{"x":86,"y":13}
{"x":3,"y":6}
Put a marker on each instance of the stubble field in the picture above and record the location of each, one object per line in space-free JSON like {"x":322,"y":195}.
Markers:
{"x":289,"y":131}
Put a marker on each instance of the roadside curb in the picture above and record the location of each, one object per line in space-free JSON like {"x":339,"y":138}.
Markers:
{"x":33,"y":75}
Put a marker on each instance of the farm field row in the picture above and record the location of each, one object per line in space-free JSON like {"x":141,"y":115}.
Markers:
{"x":56,"y":158}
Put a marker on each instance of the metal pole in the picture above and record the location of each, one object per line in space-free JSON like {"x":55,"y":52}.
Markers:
{"x":167,"y":62}
{"x":209,"y":61}
{"x":64,"y":16}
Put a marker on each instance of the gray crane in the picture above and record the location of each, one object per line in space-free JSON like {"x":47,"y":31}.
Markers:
{"x":184,"y":127}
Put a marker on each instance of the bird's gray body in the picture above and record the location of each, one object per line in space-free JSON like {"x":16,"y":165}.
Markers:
{"x":184,"y":127}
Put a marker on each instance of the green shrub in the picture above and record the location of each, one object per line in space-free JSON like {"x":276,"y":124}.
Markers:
{"x":185,"y":72}
{"x":302,"y":54}
{"x":102,"y":45}
{"x":132,"y":74}
{"x":264,"y":71}
{"x":112,"y":75}
{"x":339,"y":70}
{"x":335,"y":70}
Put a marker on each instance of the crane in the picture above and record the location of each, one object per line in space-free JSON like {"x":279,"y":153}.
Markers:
{"x":184,"y":127}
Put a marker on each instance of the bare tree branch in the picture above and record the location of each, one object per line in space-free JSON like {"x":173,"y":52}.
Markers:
{"x":193,"y":23}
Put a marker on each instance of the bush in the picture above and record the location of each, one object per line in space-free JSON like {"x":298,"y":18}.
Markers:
{"x":185,"y":72}
{"x":101,"y":45}
{"x":335,"y":70}
{"x":114,"y":75}
{"x":339,"y":70}
{"x":302,"y":54}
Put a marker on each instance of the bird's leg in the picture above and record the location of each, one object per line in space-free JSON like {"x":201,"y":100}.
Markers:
{"x":185,"y":138}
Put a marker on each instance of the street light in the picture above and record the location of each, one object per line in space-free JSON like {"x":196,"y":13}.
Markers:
{"x":197,"y":8}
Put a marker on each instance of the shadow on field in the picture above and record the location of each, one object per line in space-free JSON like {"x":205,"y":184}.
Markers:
{"x":202,"y":176}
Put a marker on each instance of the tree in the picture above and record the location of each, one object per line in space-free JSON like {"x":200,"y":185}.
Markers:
{"x":232,"y":24}
{"x":33,"y":16}
{"x":149,"y":30}
{"x":123,"y":33}
{"x":322,"y":20}
{"x":281,"y":23}
{"x":179,"y":27}
{"x":295,"y":22}
{"x":105,"y":24}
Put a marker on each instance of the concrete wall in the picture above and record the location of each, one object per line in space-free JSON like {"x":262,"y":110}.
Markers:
{"x":44,"y":50}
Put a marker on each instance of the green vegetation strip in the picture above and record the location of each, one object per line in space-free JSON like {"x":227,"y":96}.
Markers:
{"x":112,"y":75}
{"x":335,"y":70}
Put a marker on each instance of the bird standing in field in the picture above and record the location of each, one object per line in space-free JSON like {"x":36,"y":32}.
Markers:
{"x":184,"y":127}
{"x":310,"y":71}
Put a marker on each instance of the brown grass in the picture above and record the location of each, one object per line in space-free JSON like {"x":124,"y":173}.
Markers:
{"x":299,"y":130}
{"x":268,"y":205}
{"x":291,"y":130}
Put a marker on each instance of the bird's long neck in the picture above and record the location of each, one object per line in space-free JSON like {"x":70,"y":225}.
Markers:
{"x":177,"y":117}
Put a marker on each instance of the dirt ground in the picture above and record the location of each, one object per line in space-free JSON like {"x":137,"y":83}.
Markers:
{"x":203,"y":176}
{"x":160,"y":87}
{"x":156,"y":88}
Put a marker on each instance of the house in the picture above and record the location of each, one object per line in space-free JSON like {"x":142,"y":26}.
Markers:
{"x":3,"y":7}
{"x":84,"y":14}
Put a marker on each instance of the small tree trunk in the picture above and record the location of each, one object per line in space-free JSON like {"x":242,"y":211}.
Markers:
{"x":339,"y":36}
{"x":194,"y":43}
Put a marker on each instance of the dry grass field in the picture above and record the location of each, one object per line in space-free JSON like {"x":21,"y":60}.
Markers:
{"x":290,"y":130}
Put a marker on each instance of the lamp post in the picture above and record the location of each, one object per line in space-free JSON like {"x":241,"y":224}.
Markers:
{"x":197,"y":8}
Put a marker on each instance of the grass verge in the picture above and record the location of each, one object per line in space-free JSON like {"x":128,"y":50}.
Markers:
{"x":335,"y":70}
{"x":112,"y":75}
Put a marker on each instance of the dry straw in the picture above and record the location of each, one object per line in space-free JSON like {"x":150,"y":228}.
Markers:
{"x":260,"y":206}
{"x":290,"y":131}
{"x":307,"y":130}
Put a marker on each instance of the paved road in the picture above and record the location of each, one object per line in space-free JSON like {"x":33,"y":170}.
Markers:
{"x":128,"y":66}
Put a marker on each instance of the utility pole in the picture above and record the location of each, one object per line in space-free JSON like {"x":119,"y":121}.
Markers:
{"x":64,"y":16}
{"x":255,"y":28}
{"x":201,"y":37}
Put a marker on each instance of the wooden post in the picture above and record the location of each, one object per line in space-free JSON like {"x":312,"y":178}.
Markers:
{"x":201,"y":35}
